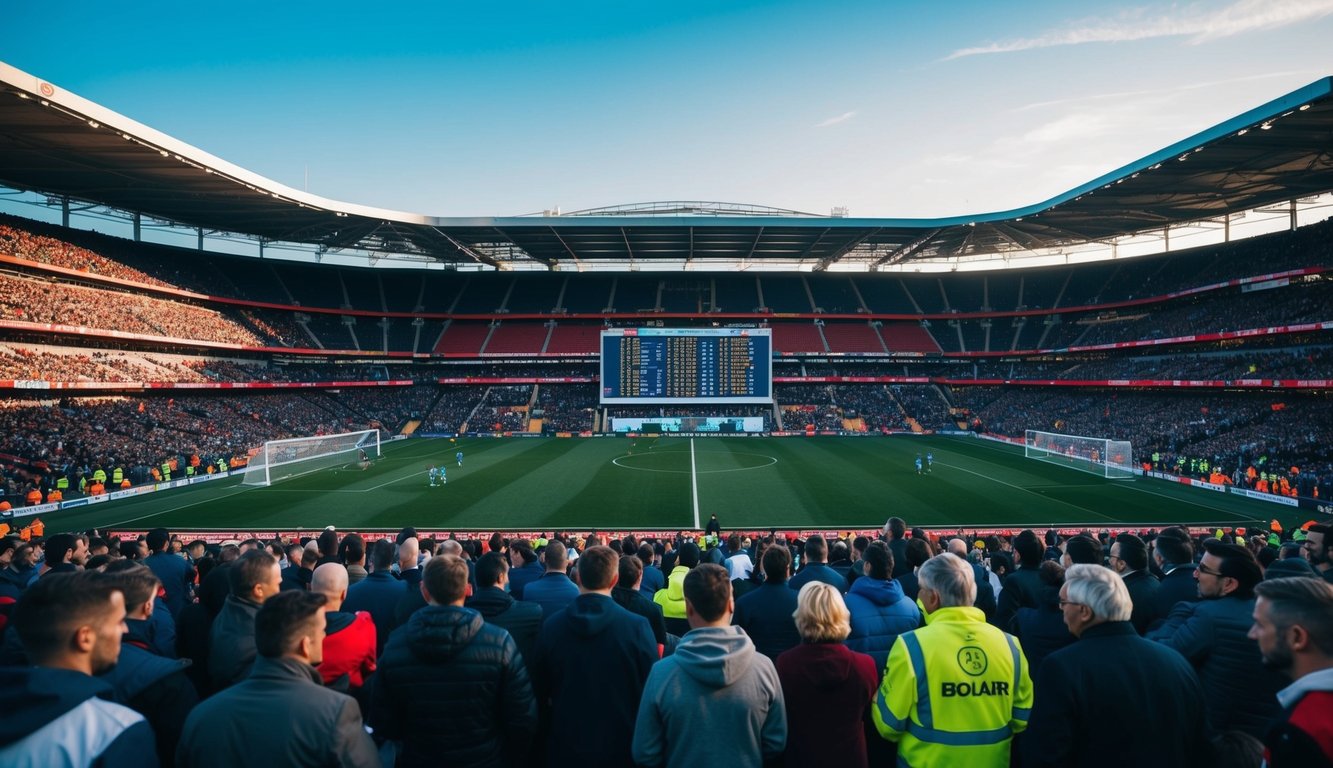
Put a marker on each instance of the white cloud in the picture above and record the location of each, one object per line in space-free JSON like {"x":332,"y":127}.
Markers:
{"x":844,"y":117}
{"x":1198,"y":22}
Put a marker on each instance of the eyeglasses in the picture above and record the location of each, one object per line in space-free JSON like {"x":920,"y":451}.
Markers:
{"x":1063,"y":603}
{"x":1208,"y":571}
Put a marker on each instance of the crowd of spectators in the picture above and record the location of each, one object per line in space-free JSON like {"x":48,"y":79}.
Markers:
{"x":567,"y":407}
{"x":503,"y":409}
{"x":656,"y":651}
{"x":453,"y":408}
{"x":24,"y":244}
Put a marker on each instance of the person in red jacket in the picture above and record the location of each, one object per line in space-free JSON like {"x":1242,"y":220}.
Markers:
{"x":349,"y":646}
{"x":1293,"y":625}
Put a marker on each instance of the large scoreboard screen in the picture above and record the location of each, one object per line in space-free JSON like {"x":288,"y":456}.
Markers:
{"x":687,"y":365}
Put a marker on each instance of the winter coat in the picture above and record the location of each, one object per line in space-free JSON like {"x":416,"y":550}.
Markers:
{"x":818,"y":572}
{"x":522,"y":620}
{"x":61,"y":717}
{"x":765,"y":614}
{"x":1143,"y":588}
{"x":826,"y":688}
{"x":378,"y":594}
{"x":231,"y":643}
{"x":880,"y":612}
{"x":157,"y":688}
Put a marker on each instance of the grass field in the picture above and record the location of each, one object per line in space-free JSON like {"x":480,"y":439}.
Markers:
{"x":676,"y":483}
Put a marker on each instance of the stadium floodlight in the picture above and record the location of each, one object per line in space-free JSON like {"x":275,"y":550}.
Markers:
{"x":1112,"y":459}
{"x":279,"y":460}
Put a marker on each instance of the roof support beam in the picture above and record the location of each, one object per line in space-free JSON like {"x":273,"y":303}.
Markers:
{"x":570,"y":251}
{"x":838,"y":253}
{"x":907,"y":251}
{"x":464,"y":249}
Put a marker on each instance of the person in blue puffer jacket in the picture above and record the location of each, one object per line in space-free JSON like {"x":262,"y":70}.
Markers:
{"x":880,"y":611}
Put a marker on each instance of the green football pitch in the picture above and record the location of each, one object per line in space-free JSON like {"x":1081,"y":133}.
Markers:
{"x":676,"y":483}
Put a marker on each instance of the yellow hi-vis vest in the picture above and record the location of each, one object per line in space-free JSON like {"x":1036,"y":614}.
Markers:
{"x":954,"y":692}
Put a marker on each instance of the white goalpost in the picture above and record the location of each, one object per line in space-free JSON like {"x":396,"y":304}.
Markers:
{"x":1112,"y":459}
{"x":279,"y":460}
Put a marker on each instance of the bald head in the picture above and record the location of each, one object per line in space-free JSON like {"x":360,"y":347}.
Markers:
{"x":330,"y":580}
{"x":407,"y":553}
{"x":958,"y":547}
{"x":451,"y":547}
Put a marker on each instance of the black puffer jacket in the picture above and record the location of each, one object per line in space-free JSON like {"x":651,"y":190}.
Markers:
{"x":1239,"y":692}
{"x":449,"y":678}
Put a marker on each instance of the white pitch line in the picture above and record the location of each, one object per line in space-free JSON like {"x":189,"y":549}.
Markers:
{"x":243,"y":488}
{"x":694,"y":484}
{"x":1025,"y":490}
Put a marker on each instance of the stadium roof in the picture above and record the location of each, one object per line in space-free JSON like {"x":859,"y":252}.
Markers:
{"x":56,"y":143}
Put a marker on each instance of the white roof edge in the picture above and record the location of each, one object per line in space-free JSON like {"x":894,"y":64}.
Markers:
{"x":43,"y":90}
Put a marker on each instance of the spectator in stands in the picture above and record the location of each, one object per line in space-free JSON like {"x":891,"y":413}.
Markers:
{"x":554,"y":590}
{"x":1174,"y":557}
{"x":895,"y":530}
{"x":174,"y":571}
{"x":816,"y":567}
{"x":521,"y":619}
{"x":65,"y":553}
{"x":1023,"y":587}
{"x":878,"y":609}
{"x":738,"y":564}
{"x":254,"y":579}
{"x":826,"y":686}
{"x":767,"y":612}
{"x":985,"y":601}
{"x":714,"y":699}
{"x":653,"y":577}
{"x":150,"y":683}
{"x":591,"y":662}
{"x":352,"y":553}
{"x":979,"y":692}
{"x":1319,"y":550}
{"x":672,"y":597}
{"x":628,"y":594}
{"x":349,"y":638}
{"x":1147,"y":710}
{"x":379,"y":593}
{"x":1293,"y":626}
{"x":1212,"y":634}
{"x":70,"y":626}
{"x":1042,"y":629}
{"x":1129,"y":558}
{"x":1081,"y":550}
{"x":450,"y":680}
{"x":298,"y":575}
{"x":918,"y":552}
{"x":524,"y":567}
{"x":280,"y":711}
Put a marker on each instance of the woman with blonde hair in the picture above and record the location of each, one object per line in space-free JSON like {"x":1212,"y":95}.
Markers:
{"x":826,"y":686}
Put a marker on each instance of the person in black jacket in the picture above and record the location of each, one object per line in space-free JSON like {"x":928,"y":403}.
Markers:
{"x":450,"y":681}
{"x":150,"y":684}
{"x":626,"y":593}
{"x":1129,"y":558}
{"x":1213,"y":635}
{"x":1174,"y":557}
{"x":593,"y":658}
{"x":1022,"y":589}
{"x":254,"y":578}
{"x":767,"y":612}
{"x":1109,"y":684}
{"x":281,"y":714}
{"x":522,"y":620}
{"x":1042,"y":630}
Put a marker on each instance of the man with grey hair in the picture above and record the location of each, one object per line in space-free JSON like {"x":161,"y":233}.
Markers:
{"x":1293,"y":625}
{"x":1086,"y":709}
{"x":956,"y":690}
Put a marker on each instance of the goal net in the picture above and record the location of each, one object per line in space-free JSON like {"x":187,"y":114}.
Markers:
{"x":1112,"y":459}
{"x":280,"y":460}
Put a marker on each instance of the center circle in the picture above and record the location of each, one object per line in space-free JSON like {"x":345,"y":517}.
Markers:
{"x":635,"y":462}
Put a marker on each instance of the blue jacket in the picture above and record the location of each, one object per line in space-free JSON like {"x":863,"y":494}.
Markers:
{"x":379,"y":594}
{"x":765,"y":614}
{"x":177,"y":577}
{"x":521,"y":577}
{"x":61,"y":717}
{"x":553,"y":591}
{"x":1239,"y":692}
{"x":818,"y":572}
{"x":880,"y":612}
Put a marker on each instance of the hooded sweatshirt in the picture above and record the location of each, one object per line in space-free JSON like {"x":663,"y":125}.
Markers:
{"x":672,"y":598}
{"x":61,"y":717}
{"x":591,"y":662}
{"x":715,"y":689}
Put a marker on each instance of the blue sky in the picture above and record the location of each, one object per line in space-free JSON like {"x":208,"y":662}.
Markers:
{"x":889,"y":109}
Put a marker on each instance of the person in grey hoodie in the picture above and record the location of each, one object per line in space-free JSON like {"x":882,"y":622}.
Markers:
{"x":716,"y":688}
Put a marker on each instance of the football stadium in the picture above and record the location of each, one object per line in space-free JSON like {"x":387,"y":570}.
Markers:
{"x":612,"y":369}
{"x":291,"y":472}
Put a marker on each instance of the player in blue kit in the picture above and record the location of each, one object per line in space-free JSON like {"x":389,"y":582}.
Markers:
{"x":930,"y":461}
{"x":918,"y":463}
{"x":443,"y":478}
{"x":434,"y":475}
{"x":459,"y":456}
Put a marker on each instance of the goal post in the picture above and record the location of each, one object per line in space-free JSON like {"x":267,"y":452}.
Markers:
{"x":1112,"y":459}
{"x":278,"y":460}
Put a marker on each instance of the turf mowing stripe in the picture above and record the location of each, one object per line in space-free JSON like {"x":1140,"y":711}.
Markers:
{"x":694,"y":484}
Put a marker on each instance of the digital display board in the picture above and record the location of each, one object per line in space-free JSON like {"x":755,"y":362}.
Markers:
{"x":687,"y":365}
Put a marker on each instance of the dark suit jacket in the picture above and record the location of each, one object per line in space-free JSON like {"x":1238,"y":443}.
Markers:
{"x":1143,"y":588}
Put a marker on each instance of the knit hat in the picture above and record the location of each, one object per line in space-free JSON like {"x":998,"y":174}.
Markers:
{"x":1289,"y":568}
